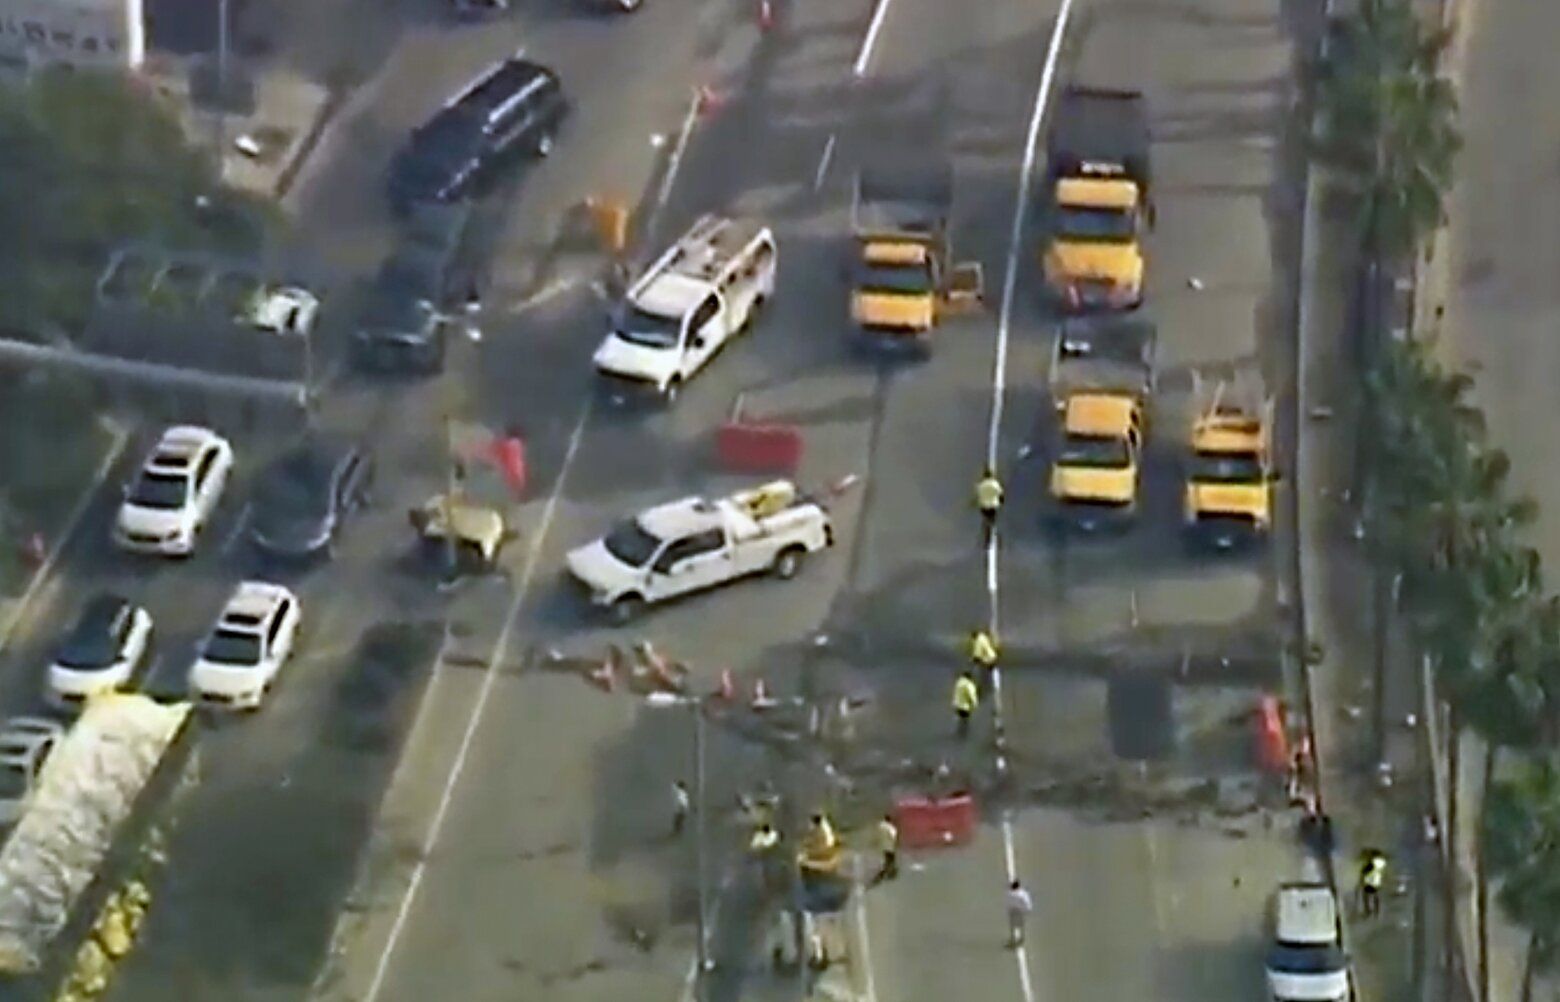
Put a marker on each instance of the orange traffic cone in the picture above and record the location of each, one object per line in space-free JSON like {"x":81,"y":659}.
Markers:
{"x":710,"y":100}
{"x":762,"y":700}
{"x":766,"y":15}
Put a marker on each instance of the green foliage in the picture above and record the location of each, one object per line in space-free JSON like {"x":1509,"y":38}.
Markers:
{"x":1388,"y":123}
{"x":1522,"y":847}
{"x":87,"y":162}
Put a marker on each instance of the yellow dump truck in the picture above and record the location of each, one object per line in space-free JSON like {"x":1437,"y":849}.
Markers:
{"x":1101,"y":381}
{"x":1099,"y":205}
{"x":1229,"y":477}
{"x":900,"y":222}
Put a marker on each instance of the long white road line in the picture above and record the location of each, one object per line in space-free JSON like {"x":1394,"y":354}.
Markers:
{"x":864,"y":57}
{"x":999,"y":398}
{"x":474,"y":721}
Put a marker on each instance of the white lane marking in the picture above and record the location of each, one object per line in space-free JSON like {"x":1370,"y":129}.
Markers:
{"x":879,"y":15}
{"x":863,"y":937}
{"x":500,"y":648}
{"x":691,"y":979}
{"x":238,"y":530}
{"x":998,"y":396}
{"x":550,"y":291}
{"x":823,"y":163}
{"x":674,"y":164}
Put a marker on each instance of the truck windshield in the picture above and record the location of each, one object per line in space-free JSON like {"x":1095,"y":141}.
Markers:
{"x":1226,"y":468}
{"x":1076,"y":222}
{"x":631,"y":544}
{"x":904,"y":280}
{"x":1094,"y":451}
{"x":652,"y":330}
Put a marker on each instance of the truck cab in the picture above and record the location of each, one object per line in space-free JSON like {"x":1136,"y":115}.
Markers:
{"x":900,"y":222}
{"x":1229,"y":480}
{"x":1102,"y":374}
{"x":1100,"y":207}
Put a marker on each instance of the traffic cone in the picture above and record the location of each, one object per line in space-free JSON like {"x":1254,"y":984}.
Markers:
{"x":710,"y":100}
{"x":766,"y":15}
{"x":762,"y":700}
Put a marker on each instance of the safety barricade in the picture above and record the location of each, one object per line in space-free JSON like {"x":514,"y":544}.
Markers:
{"x":742,"y":447}
{"x":928,"y":823}
{"x":1272,"y":740}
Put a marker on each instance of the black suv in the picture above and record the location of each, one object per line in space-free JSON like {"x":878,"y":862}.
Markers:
{"x":403,"y":326}
{"x":515,"y":108}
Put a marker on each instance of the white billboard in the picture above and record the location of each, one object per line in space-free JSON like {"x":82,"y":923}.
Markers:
{"x":78,"y":32}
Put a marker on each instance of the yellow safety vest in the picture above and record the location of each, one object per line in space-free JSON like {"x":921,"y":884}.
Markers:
{"x":988,"y":494}
{"x":1375,"y":873}
{"x":764,"y":839}
{"x":983,"y":649}
{"x":965,"y":696}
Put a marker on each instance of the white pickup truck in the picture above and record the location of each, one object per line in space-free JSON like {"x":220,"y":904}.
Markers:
{"x":695,"y":543}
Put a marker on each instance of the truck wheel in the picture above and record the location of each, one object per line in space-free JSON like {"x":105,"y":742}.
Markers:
{"x":627,"y":609}
{"x":788,"y":563}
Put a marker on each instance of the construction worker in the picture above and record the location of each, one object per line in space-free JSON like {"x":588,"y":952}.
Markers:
{"x":988,"y":498}
{"x":764,"y":847}
{"x":1373,"y":874}
{"x":1019,"y":905}
{"x":965,"y":698}
{"x":888,"y":842}
{"x":682,"y":806}
{"x":821,"y":833}
{"x":983,"y":649}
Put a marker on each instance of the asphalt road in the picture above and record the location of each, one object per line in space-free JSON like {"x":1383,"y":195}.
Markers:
{"x":551,"y":811}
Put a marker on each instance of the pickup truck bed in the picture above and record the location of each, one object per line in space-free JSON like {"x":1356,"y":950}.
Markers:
{"x":1110,"y":126}
{"x":1108,"y":352}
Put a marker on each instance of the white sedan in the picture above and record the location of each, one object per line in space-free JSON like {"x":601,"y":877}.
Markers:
{"x":173,"y":496}
{"x":283,"y":309}
{"x":241,"y":657}
{"x":109,"y":641}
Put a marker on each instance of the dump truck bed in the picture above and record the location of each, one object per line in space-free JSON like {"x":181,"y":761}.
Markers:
{"x":1099,"y":125}
{"x":902,"y":202}
{"x":1109,"y":353}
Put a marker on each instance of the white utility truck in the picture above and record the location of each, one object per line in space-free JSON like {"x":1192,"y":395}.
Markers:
{"x":695,"y":543}
{"x":705,"y":290}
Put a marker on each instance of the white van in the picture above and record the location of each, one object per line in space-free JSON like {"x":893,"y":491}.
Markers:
{"x":706,"y":289}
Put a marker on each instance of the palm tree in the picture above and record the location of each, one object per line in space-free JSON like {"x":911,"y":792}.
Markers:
{"x":1388,"y":124}
{"x":1522,"y":835}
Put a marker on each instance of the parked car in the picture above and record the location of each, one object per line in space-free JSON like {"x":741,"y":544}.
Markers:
{"x":109,"y":641}
{"x":282,"y":309}
{"x":1306,"y":962}
{"x":175,"y":493}
{"x":252,"y":639}
{"x":515,"y":107}
{"x":25,"y":744}
{"x":305,"y":496}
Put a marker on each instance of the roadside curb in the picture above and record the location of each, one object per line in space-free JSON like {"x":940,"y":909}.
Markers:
{"x":120,"y":438}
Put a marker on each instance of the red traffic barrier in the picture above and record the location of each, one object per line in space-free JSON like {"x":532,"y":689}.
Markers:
{"x":1272,"y":741}
{"x":758,"y":448}
{"x":927,"y":823}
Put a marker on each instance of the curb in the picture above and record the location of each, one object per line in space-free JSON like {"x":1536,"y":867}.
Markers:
{"x":323,"y":119}
{"x":116,"y":448}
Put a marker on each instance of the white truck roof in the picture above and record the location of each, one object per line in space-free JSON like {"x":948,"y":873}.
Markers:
{"x":741,"y":512}
{"x":88,"y":787}
{"x":698,"y":262}
{"x":1307,"y":913}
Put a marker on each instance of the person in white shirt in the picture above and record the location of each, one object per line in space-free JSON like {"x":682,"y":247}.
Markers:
{"x":1019,"y":905}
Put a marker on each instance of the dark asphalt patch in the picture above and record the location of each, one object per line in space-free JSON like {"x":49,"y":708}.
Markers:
{"x":262,"y":859}
{"x":1142,"y":723}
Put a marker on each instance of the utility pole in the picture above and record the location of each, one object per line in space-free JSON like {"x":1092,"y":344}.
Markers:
{"x":701,"y":816}
{"x":222,"y":87}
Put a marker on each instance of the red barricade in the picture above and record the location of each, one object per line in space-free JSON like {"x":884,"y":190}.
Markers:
{"x":758,"y":448}
{"x":1272,"y":741}
{"x":925,"y":823}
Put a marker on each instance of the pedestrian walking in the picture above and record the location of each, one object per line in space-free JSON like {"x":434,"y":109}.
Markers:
{"x":988,"y":499}
{"x":965,"y":698}
{"x":983,"y":649}
{"x":682,"y":806}
{"x":1019,"y":905}
{"x":888,"y":843}
{"x":1373,"y":875}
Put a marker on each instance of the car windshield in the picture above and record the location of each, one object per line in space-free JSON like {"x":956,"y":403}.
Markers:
{"x":652,"y":330}
{"x":167,"y":491}
{"x":1094,"y":451}
{"x":297,"y":486}
{"x":1305,"y":958}
{"x":1226,"y":468}
{"x":632,"y":544}
{"x":902,"y":279}
{"x":1079,"y":223}
{"x":231,"y":647}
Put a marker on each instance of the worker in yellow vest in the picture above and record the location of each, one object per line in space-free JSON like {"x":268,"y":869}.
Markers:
{"x":983,"y":649}
{"x":988,"y":499}
{"x":965,"y":698}
{"x":1373,"y":875}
